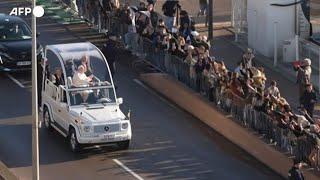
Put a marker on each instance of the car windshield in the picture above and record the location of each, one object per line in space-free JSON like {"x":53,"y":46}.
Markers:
{"x":84,"y":65}
{"x":13,"y":31}
{"x":92,"y":96}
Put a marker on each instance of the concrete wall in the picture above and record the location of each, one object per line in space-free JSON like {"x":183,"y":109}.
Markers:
{"x":261,"y":18}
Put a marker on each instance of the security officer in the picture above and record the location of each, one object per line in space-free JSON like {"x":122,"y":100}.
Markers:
{"x":309,"y":99}
{"x":295,"y":172}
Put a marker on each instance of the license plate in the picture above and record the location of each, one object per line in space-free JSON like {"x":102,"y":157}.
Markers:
{"x":23,"y":63}
{"x":109,"y":136}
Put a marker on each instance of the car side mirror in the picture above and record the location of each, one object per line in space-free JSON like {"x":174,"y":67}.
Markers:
{"x":120,"y":100}
{"x":38,"y":34}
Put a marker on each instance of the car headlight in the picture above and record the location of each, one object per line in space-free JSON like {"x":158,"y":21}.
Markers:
{"x":5,"y":57}
{"x":124,"y":125}
{"x":86,"y":129}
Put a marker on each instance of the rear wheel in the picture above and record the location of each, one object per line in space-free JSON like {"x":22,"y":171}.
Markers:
{"x":73,"y":141}
{"x":124,"y":145}
{"x":47,"y":119}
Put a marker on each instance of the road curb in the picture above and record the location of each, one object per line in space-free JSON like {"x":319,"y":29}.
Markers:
{"x":5,"y":173}
{"x":199,"y":107}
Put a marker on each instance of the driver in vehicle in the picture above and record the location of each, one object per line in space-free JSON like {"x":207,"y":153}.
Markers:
{"x":14,"y":32}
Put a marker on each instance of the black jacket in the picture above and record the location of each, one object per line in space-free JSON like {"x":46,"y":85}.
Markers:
{"x":295,"y":174}
{"x":307,"y":97}
{"x":169,"y":8}
{"x":59,"y":81}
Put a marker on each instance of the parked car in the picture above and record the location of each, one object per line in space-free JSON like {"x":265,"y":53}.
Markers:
{"x":79,"y":98}
{"x":16,"y":44}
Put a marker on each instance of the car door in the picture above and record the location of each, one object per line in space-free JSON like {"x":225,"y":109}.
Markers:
{"x":61,"y":109}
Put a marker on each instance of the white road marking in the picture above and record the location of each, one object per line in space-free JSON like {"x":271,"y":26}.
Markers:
{"x":154,"y":93}
{"x":127,"y":169}
{"x":16,"y":81}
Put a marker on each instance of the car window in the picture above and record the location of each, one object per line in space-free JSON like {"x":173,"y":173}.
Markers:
{"x":54,"y":70}
{"x":92,"y":96}
{"x":13,"y":31}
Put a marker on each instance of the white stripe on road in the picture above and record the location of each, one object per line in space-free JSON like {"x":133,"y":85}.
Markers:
{"x":127,"y":169}
{"x":15,"y":81}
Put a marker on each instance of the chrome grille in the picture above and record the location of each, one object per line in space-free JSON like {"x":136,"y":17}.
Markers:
{"x":109,"y":127}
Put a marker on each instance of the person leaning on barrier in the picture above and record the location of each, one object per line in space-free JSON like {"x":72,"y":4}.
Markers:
{"x":161,"y":28}
{"x":142,"y":6}
{"x":295,"y":172}
{"x":273,"y":90}
{"x":247,"y":58}
{"x":153,"y":15}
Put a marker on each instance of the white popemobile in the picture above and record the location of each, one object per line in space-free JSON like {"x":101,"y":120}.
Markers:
{"x":79,"y":98}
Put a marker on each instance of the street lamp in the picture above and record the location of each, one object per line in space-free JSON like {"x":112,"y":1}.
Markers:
{"x":35,"y":121}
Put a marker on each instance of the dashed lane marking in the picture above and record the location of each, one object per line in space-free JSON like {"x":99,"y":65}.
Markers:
{"x":15,"y":81}
{"x":127,"y":169}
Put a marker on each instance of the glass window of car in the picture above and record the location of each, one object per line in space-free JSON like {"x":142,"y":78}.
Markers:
{"x":93,"y":96}
{"x":13,"y":31}
{"x":54,"y":69}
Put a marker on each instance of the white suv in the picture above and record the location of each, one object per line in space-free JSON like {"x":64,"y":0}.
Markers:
{"x":79,"y":99}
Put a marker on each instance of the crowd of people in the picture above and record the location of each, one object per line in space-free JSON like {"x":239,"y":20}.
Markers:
{"x":209,"y":76}
{"x":176,"y":35}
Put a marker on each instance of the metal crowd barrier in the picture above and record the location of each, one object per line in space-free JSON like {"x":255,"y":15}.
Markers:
{"x":300,"y":147}
{"x":303,"y":148}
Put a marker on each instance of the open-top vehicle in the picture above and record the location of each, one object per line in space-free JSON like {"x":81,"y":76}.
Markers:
{"x":79,"y":98}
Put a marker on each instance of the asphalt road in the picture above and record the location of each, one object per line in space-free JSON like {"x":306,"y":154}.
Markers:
{"x":167,"y":143}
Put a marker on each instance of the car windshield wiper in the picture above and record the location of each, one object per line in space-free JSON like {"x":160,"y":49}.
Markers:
{"x":95,"y":107}
{"x":85,"y":104}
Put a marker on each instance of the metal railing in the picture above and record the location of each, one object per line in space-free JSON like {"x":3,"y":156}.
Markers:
{"x":301,"y":146}
{"x":304,"y":146}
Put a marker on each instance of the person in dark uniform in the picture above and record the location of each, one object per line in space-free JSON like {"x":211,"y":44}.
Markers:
{"x":295,"y":172}
{"x":39,"y":80}
{"x":109,"y":50}
{"x":308,"y":99}
{"x":58,"y":77}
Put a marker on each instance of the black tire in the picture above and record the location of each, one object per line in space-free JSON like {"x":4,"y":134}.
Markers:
{"x":47,"y":119}
{"x":73,"y":141}
{"x":124,"y":145}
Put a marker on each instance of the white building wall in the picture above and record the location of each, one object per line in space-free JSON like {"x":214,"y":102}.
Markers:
{"x":261,"y":18}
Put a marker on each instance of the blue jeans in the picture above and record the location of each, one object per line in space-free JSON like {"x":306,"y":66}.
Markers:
{"x":170,"y":22}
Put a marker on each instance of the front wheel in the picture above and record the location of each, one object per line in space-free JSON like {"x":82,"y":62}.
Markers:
{"x":73,"y":141}
{"x":124,"y":145}
{"x":47,"y":119}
